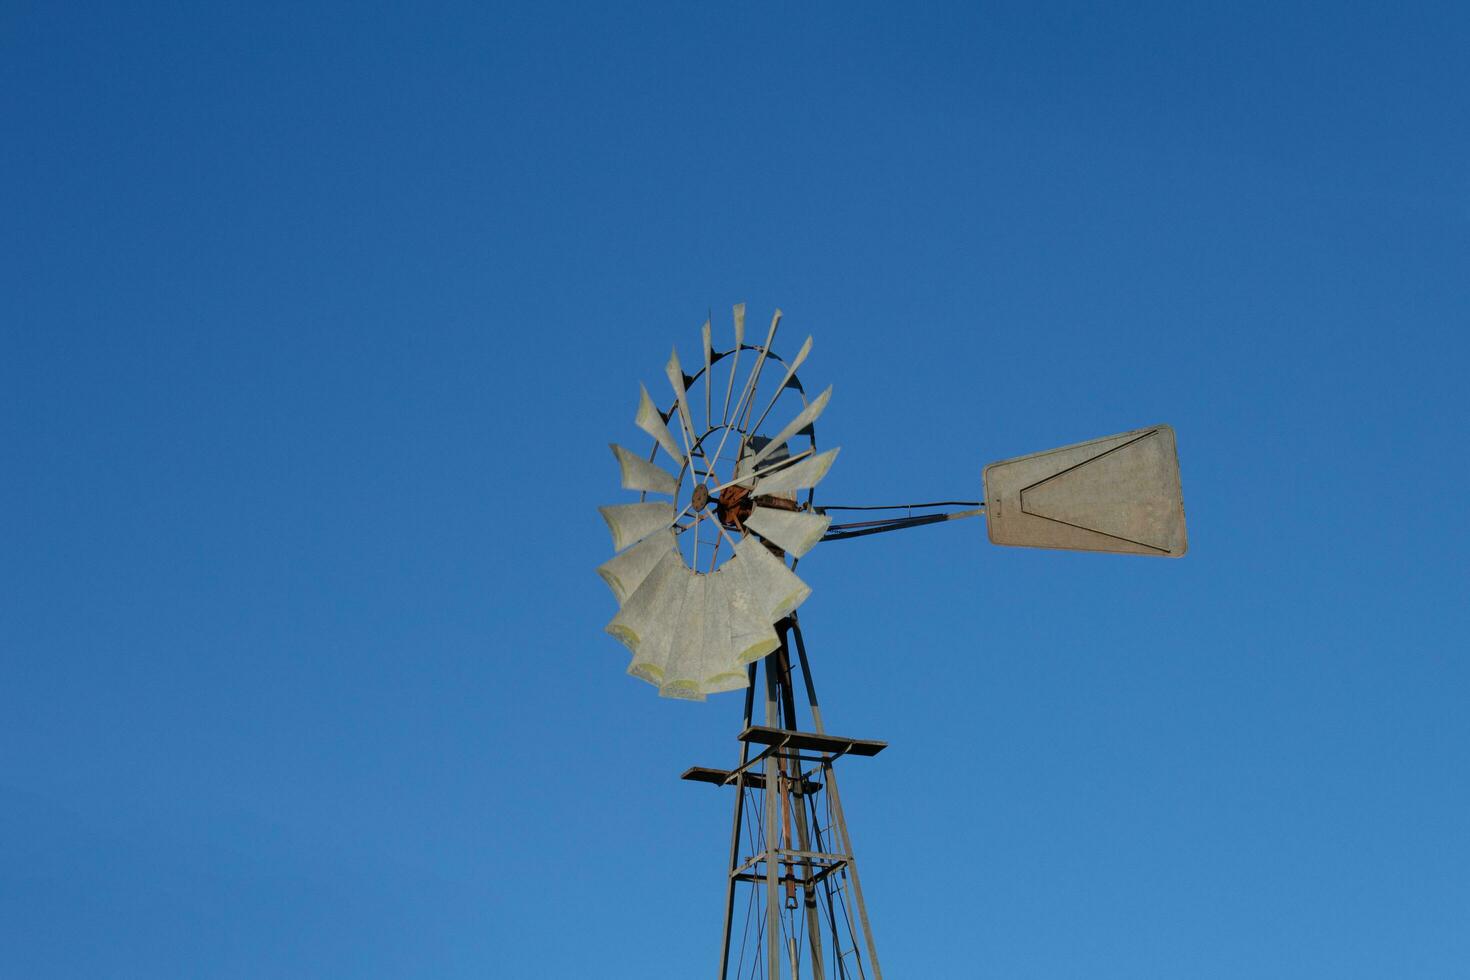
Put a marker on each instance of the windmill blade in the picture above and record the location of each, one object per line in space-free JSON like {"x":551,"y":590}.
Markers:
{"x":747,"y":396}
{"x":675,"y":373}
{"x":744,"y":474}
{"x":798,"y":476}
{"x":646,"y":623}
{"x":776,"y":588}
{"x":631,"y":523}
{"x":680,"y":671}
{"x":651,"y":421}
{"x":739,"y":314}
{"x":718,"y":666}
{"x":639,"y":474}
{"x":625,"y":572}
{"x":793,"y":531}
{"x":803,"y":419}
{"x":751,"y":634}
{"x":791,"y":368}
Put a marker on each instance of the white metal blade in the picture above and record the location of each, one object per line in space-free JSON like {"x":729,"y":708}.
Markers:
{"x":646,"y":623}
{"x":639,"y":474}
{"x":798,"y":476}
{"x":806,"y":349}
{"x":682,"y":671}
{"x":739,"y":313}
{"x":650,"y":421}
{"x":776,"y":588}
{"x":675,"y":373}
{"x":747,"y":396}
{"x":625,"y":572}
{"x":793,"y":531}
{"x":803,"y":419}
{"x":631,"y":523}
{"x":751,"y":633}
{"x":719,"y":669}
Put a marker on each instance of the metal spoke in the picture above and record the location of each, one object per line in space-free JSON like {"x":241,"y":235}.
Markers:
{"x":748,"y":391}
{"x":763,"y":472}
{"x":708,"y":352}
{"x":739,"y":314}
{"x":796,"y":362}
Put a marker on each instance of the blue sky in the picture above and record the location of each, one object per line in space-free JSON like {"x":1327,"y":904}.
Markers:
{"x":317,"y":321}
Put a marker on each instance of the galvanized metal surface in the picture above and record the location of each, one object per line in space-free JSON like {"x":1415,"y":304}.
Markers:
{"x":790,"y":530}
{"x":792,"y":820}
{"x":631,"y":523}
{"x":652,"y":422}
{"x":693,"y":629}
{"x":1118,"y":494}
{"x":639,"y":474}
{"x":806,"y":417}
{"x":799,"y":475}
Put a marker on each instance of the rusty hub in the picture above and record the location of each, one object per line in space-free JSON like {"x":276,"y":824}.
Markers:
{"x":734,"y":507}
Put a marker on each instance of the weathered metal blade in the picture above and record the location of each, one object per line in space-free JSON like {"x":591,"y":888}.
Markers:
{"x":701,"y":659}
{"x":803,"y":419}
{"x":646,"y":623}
{"x":776,"y":588}
{"x":752,"y":634}
{"x":623,"y":573}
{"x":793,"y":531}
{"x":631,"y":523}
{"x":719,"y":669}
{"x":639,"y":474}
{"x":800,"y":358}
{"x":650,"y":421}
{"x":746,"y":401}
{"x":798,"y":476}
{"x":678,"y":673}
{"x":675,"y":373}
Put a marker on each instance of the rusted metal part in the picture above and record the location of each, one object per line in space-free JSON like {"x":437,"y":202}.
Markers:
{"x":785,"y":790}
{"x":734,"y":506}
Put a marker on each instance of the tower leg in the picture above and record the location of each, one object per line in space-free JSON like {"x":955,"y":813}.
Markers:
{"x":773,"y":866}
{"x":839,"y":821}
{"x":802,"y":845}
{"x":735,"y":829}
{"x":797,"y":788}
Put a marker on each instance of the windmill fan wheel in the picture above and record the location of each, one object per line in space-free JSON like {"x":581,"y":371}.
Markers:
{"x":701,"y":572}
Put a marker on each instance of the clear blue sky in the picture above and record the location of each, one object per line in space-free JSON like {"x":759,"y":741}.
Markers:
{"x":317,"y":321}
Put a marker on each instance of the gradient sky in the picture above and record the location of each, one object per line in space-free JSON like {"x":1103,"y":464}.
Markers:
{"x":316,"y":322}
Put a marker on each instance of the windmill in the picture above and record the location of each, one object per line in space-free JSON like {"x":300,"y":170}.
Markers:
{"x":705,"y":575}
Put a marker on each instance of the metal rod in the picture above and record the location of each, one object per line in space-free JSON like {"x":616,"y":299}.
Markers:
{"x":773,"y":867}
{"x":738,"y":312}
{"x":735,"y":829}
{"x":932,"y":503}
{"x":766,"y":471}
{"x":791,"y":369}
{"x":708,"y":354}
{"x":809,"y":894}
{"x":839,"y":821}
{"x":754,"y":376}
{"x":841,"y":532}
